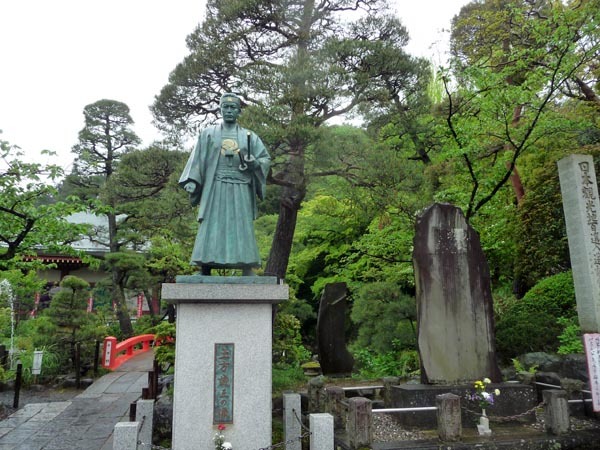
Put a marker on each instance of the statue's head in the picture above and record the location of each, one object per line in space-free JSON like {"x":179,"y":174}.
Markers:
{"x":230,"y":107}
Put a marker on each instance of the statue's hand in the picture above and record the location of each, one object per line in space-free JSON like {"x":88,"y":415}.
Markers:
{"x":250,"y":162}
{"x":190,"y":187}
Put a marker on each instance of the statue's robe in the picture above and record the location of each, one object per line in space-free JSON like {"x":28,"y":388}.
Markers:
{"x":226,"y":197}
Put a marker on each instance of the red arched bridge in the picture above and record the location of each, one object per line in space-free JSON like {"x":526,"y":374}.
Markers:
{"x":116,"y":353}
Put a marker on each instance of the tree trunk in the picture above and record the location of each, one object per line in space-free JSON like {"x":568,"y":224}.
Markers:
{"x":122,"y":312}
{"x":118,"y":291}
{"x":282,"y":239}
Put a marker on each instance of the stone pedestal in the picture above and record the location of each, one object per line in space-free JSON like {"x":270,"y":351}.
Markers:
{"x":223,"y":359}
{"x":514,"y":400}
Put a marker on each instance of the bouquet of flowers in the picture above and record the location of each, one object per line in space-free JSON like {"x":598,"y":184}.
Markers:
{"x":481,"y":395}
{"x":219,"y":439}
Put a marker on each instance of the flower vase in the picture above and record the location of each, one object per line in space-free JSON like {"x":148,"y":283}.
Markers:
{"x":484,"y":425}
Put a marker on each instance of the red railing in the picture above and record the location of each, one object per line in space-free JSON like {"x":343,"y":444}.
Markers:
{"x":115,"y":354}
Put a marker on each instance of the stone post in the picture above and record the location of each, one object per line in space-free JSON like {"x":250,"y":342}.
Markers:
{"x":448,"y":417}
{"x":581,"y":206}
{"x":144,"y":415}
{"x":125,"y":436}
{"x":335,"y":397}
{"x":556,"y":411}
{"x":316,"y":395}
{"x":359,"y":426}
{"x":292,"y":414}
{"x":388,"y":382}
{"x":321,"y":431}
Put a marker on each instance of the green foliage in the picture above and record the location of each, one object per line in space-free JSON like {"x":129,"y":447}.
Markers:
{"x":519,"y":368}
{"x":165,"y":352}
{"x":541,"y":248}
{"x":52,"y":364}
{"x":30,"y":218}
{"x":23,"y":285}
{"x":144,"y":325}
{"x":393,"y":313}
{"x":401,"y":363}
{"x":531,"y":324}
{"x":554,"y":295}
{"x":287,"y":341}
{"x":67,"y":322}
{"x":287,"y":378}
{"x":571,"y":340}
{"x":502,"y":63}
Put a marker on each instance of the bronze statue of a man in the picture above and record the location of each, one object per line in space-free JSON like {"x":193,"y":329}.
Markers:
{"x":224,"y":175}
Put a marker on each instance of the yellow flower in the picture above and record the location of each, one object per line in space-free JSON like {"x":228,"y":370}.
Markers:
{"x":497,"y":392}
{"x":487,"y":380}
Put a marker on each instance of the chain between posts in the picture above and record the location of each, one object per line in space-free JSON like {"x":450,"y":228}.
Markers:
{"x":507,"y":418}
{"x":290,"y":441}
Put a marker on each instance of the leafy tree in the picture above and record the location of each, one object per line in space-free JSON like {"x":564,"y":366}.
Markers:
{"x":28,"y":220}
{"x":394,"y":312}
{"x":68,"y":314}
{"x":297,"y":66}
{"x":24,"y":284}
{"x":103,"y":141}
{"x":159,"y":218}
{"x":512,"y":86}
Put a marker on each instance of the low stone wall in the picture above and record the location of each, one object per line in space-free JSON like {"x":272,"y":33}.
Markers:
{"x":514,"y":399}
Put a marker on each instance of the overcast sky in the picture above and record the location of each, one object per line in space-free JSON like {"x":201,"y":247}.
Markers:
{"x":56,"y":56}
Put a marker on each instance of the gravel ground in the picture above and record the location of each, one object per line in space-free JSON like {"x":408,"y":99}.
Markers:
{"x":34,"y":394}
{"x":385,"y":428}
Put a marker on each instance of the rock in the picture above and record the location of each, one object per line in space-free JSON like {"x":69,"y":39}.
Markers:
{"x":163,"y":418}
{"x":574,"y":366}
{"x":543,"y":362}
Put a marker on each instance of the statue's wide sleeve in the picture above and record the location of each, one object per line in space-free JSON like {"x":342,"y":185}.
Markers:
{"x":194,"y":169}
{"x":263,"y":159}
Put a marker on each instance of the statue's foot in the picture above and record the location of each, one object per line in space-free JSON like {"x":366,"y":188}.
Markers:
{"x":205,"y":270}
{"x":248,"y":272}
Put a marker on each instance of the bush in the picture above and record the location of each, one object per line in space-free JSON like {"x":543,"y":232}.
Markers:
{"x":287,"y":341}
{"x":570,"y":339}
{"x":554,"y":295}
{"x":378,"y":312}
{"x":51,"y":364}
{"x":402,"y":363}
{"x":533,"y":324}
{"x":165,"y":352}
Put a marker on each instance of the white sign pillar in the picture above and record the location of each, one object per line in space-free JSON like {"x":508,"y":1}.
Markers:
{"x":223,"y":359}
{"x":581,"y":206}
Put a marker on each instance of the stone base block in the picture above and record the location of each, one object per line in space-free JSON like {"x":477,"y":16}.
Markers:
{"x":514,"y":399}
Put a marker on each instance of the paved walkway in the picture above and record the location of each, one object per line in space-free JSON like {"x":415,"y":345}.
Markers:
{"x":86,"y":422}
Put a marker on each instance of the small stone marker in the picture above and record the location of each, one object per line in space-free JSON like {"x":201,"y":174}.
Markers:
{"x":581,"y":206}
{"x":556,"y":411}
{"x":359,"y":425}
{"x":448,"y":417}
{"x":454,"y":299}
{"x":592,"y":352}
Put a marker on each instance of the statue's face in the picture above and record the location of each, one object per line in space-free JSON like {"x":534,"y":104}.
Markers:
{"x":230,"y":111}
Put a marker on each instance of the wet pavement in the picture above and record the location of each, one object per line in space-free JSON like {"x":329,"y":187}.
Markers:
{"x":85,"y":422}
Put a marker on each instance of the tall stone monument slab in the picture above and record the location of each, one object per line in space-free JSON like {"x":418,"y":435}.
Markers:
{"x":454,"y":302}
{"x":334,"y":357}
{"x":223,"y":357}
{"x":581,"y":206}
